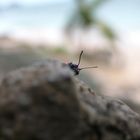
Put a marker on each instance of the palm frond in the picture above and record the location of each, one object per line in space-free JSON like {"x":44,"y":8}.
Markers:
{"x":106,"y":30}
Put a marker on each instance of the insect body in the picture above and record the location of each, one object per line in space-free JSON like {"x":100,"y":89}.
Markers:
{"x":75,"y":67}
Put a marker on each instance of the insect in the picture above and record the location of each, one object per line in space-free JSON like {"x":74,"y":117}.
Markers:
{"x":75,"y":67}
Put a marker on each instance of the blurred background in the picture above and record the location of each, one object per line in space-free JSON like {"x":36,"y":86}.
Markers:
{"x":108,"y":31}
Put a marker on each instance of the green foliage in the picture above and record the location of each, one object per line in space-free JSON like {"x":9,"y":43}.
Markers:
{"x":85,"y":17}
{"x":106,"y":30}
{"x":60,"y":50}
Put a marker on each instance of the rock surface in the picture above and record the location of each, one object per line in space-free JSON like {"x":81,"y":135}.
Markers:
{"x":46,"y":102}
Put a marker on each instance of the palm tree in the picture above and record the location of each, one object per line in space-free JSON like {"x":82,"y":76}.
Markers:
{"x":85,"y":17}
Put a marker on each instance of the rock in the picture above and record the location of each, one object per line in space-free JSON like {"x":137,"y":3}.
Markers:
{"x":46,"y":102}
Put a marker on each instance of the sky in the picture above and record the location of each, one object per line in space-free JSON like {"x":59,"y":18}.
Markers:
{"x":122,"y":15}
{"x":4,"y":2}
{"x":125,"y":14}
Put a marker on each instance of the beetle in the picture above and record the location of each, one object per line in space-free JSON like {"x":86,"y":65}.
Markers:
{"x":75,"y":67}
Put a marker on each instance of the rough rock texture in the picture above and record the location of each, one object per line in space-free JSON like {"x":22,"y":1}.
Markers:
{"x":46,"y":102}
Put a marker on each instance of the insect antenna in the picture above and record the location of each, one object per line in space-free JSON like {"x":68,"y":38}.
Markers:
{"x":84,"y":67}
{"x":88,"y":67}
{"x":80,"y":58}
